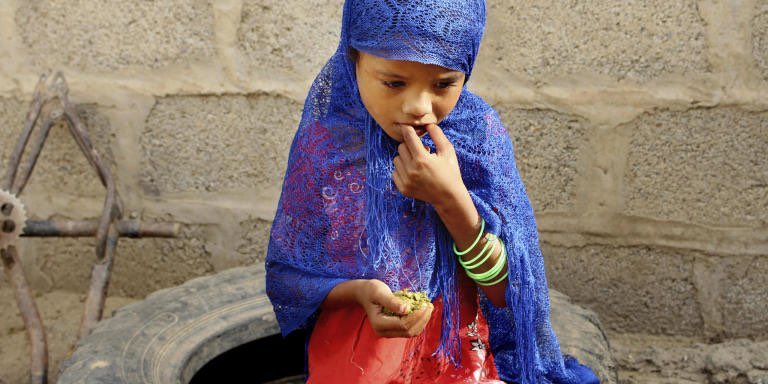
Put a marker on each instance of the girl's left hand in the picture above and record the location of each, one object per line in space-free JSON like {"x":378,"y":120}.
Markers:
{"x":431,"y":177}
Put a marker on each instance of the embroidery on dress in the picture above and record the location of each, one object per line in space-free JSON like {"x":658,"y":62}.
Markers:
{"x":477,"y":344}
{"x":473,"y":329}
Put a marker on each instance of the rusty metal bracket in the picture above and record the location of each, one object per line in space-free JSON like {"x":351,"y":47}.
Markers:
{"x":50,"y":104}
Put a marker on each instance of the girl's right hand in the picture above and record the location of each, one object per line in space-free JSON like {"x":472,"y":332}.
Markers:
{"x":376,"y":296}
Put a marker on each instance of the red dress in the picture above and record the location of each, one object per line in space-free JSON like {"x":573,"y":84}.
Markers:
{"x":343,"y":348}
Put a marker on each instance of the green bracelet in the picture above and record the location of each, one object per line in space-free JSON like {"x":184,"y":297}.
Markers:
{"x":494,"y":271}
{"x":469,"y":265}
{"x":479,"y":235}
{"x":500,"y":279}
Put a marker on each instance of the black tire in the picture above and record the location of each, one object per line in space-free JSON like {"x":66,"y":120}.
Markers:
{"x":168,"y":337}
{"x":581,"y":335}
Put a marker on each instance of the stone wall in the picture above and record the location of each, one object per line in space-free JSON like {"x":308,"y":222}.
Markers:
{"x":641,"y":131}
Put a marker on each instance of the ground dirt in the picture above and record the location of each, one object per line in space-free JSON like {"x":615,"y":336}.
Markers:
{"x":646,"y":359}
{"x":61,"y":312}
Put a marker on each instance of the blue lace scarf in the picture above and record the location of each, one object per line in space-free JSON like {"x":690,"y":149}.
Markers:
{"x":340,"y":216}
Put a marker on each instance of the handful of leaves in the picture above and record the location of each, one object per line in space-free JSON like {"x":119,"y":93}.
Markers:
{"x":413,"y":300}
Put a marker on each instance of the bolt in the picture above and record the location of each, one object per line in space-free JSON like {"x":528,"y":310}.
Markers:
{"x":7,"y":208}
{"x":9,"y":226}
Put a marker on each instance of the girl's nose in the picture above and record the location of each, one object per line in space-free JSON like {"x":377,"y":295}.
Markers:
{"x":418,"y":105}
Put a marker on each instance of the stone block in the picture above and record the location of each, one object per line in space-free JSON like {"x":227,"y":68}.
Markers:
{"x":61,"y":168}
{"x":217,"y":143}
{"x":113,"y":34}
{"x":293,"y":37}
{"x":141,"y":265}
{"x":547,"y":147}
{"x":703,"y":165}
{"x":760,"y":39}
{"x":632,"y":289}
{"x":254,"y":240}
{"x":744,"y":298}
{"x":637,"y":41}
{"x":12,"y":115}
{"x":163,"y":263}
{"x":52,"y":263}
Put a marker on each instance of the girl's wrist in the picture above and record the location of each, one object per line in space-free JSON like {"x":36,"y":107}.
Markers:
{"x":346,"y":293}
{"x":453,"y":200}
{"x":361,"y":287}
{"x":460,"y":217}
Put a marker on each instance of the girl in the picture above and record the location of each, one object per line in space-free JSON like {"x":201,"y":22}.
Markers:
{"x":399,"y":177}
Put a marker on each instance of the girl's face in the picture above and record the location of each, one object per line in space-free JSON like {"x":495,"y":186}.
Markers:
{"x":397,"y":92}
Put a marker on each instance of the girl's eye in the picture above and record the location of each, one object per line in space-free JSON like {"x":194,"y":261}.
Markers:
{"x":394,"y":84}
{"x":445,"y":84}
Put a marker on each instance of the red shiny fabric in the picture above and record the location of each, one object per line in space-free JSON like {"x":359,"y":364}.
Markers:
{"x":343,"y":348}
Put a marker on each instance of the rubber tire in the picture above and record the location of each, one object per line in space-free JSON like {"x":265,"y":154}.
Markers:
{"x":581,"y":335}
{"x":169,"y":336}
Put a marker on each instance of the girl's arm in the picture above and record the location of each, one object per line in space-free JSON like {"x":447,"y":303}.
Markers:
{"x":460,"y":217}
{"x":436,"y":179}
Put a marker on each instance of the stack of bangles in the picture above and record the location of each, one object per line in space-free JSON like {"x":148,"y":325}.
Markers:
{"x":491,"y":276}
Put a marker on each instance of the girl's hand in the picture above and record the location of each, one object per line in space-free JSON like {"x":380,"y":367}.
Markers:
{"x":431,"y":177}
{"x":377,"y":296}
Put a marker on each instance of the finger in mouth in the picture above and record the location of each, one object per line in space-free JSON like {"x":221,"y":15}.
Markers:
{"x":420,"y":129}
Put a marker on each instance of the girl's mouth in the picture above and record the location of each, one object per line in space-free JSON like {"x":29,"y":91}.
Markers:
{"x":420,"y":129}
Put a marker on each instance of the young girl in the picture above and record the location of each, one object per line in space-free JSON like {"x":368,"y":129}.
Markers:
{"x":399,"y":177}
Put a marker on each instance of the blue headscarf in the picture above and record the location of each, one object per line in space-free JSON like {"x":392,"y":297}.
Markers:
{"x":340,"y":216}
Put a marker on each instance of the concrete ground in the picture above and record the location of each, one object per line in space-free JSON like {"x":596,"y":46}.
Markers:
{"x":61,"y":312}
{"x":646,"y":359}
